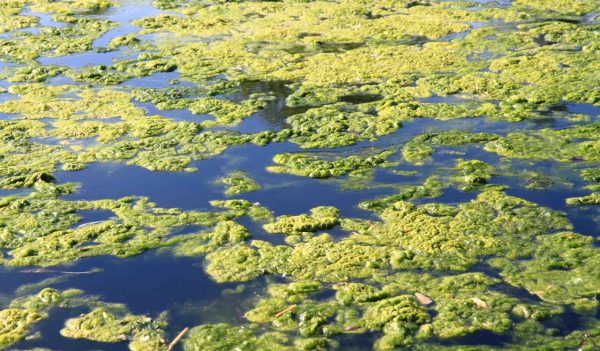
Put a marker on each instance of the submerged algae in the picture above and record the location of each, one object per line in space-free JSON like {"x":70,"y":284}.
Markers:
{"x":420,"y":148}
{"x":238,"y":182}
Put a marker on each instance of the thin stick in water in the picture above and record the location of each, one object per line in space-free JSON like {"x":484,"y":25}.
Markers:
{"x":178,"y":339}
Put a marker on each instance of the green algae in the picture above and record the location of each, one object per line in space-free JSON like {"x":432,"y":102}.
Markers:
{"x":591,"y":174}
{"x":431,"y":188}
{"x":240,"y":208}
{"x":109,"y":324}
{"x":472,"y":174}
{"x":224,"y":337}
{"x":238,"y":182}
{"x":36,"y":235}
{"x":566,"y":145}
{"x":592,"y":199}
{"x":103,"y":323}
{"x":15,"y":324}
{"x":421,"y":147}
{"x":433,"y":238}
{"x":20,"y":317}
{"x":338,"y":125}
{"x":54,"y":41}
{"x":320,"y":218}
{"x":312,"y":166}
{"x":360,"y":68}
{"x":226,"y":232}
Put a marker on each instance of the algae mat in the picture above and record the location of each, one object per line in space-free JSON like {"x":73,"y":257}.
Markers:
{"x":299,"y":175}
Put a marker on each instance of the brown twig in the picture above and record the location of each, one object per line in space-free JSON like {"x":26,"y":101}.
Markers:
{"x":289,"y":309}
{"x":178,"y":339}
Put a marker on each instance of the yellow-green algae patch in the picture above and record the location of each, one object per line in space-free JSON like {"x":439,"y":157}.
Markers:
{"x":472,"y":174}
{"x":77,"y":37}
{"x":592,"y":199}
{"x":338,"y":125}
{"x":42,"y":230}
{"x":218,"y":337}
{"x":320,"y":218}
{"x":576,"y":143}
{"x":85,"y":129}
{"x":507,"y":231}
{"x":105,"y":323}
{"x":358,"y":70}
{"x":225,"y":233}
{"x":20,"y":317}
{"x":313,"y":166}
{"x":112,"y":324}
{"x":421,"y":147}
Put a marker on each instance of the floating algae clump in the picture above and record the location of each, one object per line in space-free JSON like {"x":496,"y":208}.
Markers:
{"x":320,"y":218}
{"x":19,"y":318}
{"x":413,"y":273}
{"x":310,"y":165}
{"x":592,"y":199}
{"x":238,"y":182}
{"x":431,"y":188}
{"x":561,"y":269}
{"x":472,"y":174}
{"x":226,"y":232}
{"x":591,"y":174}
{"x":338,"y":125}
{"x":217,"y":337}
{"x":14,"y":325}
{"x":110,"y":324}
{"x":40,"y":229}
{"x":421,"y":147}
{"x":77,"y":36}
{"x":576,"y":143}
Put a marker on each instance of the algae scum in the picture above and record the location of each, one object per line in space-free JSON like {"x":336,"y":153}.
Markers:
{"x":299,"y":175}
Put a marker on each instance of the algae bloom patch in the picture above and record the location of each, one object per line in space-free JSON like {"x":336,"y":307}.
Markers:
{"x":299,"y":175}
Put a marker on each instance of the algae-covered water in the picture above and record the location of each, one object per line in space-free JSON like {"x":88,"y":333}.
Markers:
{"x":299,"y":175}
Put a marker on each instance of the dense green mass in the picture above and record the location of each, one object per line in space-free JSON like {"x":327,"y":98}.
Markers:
{"x":453,"y":148}
{"x":105,"y":325}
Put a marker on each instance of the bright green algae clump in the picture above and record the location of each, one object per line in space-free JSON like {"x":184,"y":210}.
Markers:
{"x":20,"y":317}
{"x":238,"y":182}
{"x":531,"y":246}
{"x":320,"y":218}
{"x":110,"y":324}
{"x":36,"y":235}
{"x":310,"y":165}
{"x":359,"y":78}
